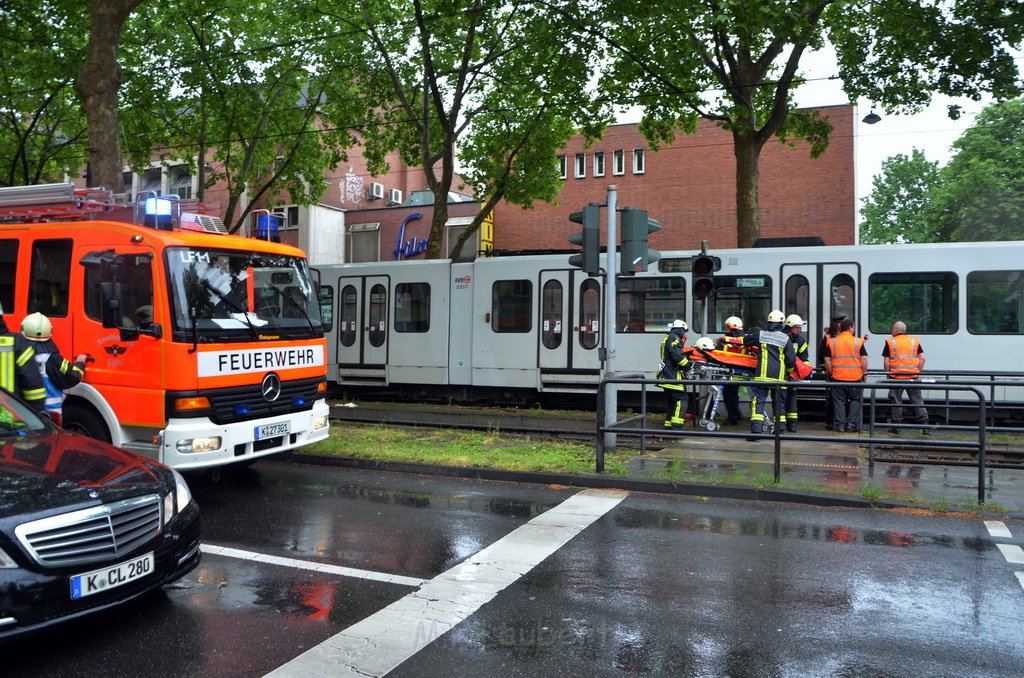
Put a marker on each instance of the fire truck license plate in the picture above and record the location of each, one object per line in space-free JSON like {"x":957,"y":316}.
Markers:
{"x":272,"y":430}
{"x":97,"y":581}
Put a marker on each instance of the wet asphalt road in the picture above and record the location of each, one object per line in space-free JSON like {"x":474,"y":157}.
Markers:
{"x":645,"y":585}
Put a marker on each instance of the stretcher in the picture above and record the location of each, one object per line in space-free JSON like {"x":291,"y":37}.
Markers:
{"x":722,"y":366}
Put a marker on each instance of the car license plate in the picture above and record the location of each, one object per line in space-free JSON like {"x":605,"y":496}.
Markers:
{"x":98,"y":581}
{"x":273,"y":430}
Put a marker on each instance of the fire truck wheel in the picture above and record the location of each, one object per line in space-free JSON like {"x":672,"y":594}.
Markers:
{"x":82,"y":419}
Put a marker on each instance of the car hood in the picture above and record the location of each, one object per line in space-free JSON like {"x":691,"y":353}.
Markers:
{"x":42,"y":472}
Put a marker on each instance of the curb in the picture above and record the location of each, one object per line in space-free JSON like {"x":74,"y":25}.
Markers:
{"x":600,"y":482}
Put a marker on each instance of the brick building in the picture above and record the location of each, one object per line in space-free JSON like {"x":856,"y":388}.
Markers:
{"x":690,"y":187}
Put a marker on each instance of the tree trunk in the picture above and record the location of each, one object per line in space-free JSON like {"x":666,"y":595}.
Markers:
{"x":747,"y":149}
{"x":97,"y":85}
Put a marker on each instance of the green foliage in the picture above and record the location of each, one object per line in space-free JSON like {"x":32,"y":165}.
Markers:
{"x":737,"y":63}
{"x":898,"y":209}
{"x":506,"y":83}
{"x":982,"y":192}
{"x":42,"y":128}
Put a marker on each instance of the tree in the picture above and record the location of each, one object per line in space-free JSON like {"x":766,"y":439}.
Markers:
{"x":736,"y":63}
{"x":899,"y":208}
{"x":981,"y":196}
{"x":506,"y":82}
{"x":97,"y":84}
{"x":247,"y":90}
{"x":42,"y":130}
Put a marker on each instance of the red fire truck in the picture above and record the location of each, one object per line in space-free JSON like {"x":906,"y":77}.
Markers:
{"x":206,"y":348}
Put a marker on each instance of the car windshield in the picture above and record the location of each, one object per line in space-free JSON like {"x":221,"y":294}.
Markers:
{"x":17,"y":419}
{"x":229,"y":293}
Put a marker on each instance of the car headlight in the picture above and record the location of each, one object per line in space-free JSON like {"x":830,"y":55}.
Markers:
{"x":175,"y":502}
{"x":6,"y":561}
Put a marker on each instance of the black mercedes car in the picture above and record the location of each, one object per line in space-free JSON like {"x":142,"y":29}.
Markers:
{"x":83,"y":525}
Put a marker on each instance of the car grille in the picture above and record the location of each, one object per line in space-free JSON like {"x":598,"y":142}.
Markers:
{"x":246,"y":402}
{"x":90,"y":535}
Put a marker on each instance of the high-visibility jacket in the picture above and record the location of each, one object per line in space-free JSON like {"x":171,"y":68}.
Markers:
{"x":903,"y":360}
{"x":845,"y":352}
{"x":18,"y":371}
{"x":58,"y":374}
{"x":674,"y":362}
{"x":775,"y":356}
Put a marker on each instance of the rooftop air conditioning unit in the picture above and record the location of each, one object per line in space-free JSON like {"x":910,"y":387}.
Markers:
{"x":376,"y":191}
{"x":394,"y":196}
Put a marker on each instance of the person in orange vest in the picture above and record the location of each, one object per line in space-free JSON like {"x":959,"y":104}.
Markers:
{"x":846,"y":362}
{"x":732,"y":340}
{"x":903,"y":358}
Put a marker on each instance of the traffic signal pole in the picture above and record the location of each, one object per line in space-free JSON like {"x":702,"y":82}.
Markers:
{"x":611,"y":394}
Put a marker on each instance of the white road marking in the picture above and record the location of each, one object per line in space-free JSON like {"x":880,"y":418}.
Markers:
{"x":998,"y":529}
{"x":382,"y":641}
{"x":1013,"y":553}
{"x":326,"y":568}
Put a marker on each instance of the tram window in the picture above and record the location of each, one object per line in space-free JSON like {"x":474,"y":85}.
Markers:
{"x":748,"y":297}
{"x":348,"y":326}
{"x":8,"y":265}
{"x":797,"y":291}
{"x":378,"y":315}
{"x":995,"y":302}
{"x":511,"y":306}
{"x":551,"y":314}
{"x":325,"y":298}
{"x":590,"y":313}
{"x":842,"y":297}
{"x":412,"y":307}
{"x":50,"y":277}
{"x":927,"y":302}
{"x":649,"y":304}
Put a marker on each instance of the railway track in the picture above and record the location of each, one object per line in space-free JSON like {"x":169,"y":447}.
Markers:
{"x":580,"y":426}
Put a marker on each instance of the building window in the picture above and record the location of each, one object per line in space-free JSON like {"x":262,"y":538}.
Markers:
{"x":619,"y":162}
{"x":638,"y":161}
{"x":581,"y":165}
{"x":181,"y":182}
{"x":563,"y":166}
{"x":599,"y":164}
{"x":362,"y":242}
{"x":289,"y":217}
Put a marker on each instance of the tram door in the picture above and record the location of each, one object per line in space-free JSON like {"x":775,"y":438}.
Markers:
{"x":818,"y":293}
{"x":570,"y":322}
{"x":363,"y":321}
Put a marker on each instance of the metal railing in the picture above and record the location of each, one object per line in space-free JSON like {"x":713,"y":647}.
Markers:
{"x":971,"y":398}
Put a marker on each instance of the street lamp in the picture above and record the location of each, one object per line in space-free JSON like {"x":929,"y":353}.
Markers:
{"x":871,"y":118}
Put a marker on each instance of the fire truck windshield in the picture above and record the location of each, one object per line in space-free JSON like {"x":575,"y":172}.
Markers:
{"x":229,"y":294}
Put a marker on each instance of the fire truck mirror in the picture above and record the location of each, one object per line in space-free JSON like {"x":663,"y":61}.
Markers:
{"x":110,"y":293}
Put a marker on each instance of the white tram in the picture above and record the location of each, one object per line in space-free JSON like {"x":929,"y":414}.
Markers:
{"x":512,"y":327}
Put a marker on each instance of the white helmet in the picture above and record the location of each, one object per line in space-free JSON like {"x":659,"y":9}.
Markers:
{"x":794,"y":320}
{"x":680,"y":323}
{"x":733,"y":323}
{"x":705,"y":343}
{"x":776,"y":316}
{"x":36,"y":327}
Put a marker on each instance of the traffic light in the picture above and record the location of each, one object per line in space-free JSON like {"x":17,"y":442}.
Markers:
{"x":589,"y":236}
{"x":703,"y":268}
{"x":636,"y":227}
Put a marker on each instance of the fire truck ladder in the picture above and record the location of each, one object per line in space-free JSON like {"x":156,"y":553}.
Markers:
{"x":53,"y":202}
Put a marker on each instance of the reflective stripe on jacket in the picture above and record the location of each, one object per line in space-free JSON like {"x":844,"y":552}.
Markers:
{"x":845,"y":349}
{"x":903,"y":360}
{"x":673,"y":360}
{"x":18,"y":371}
